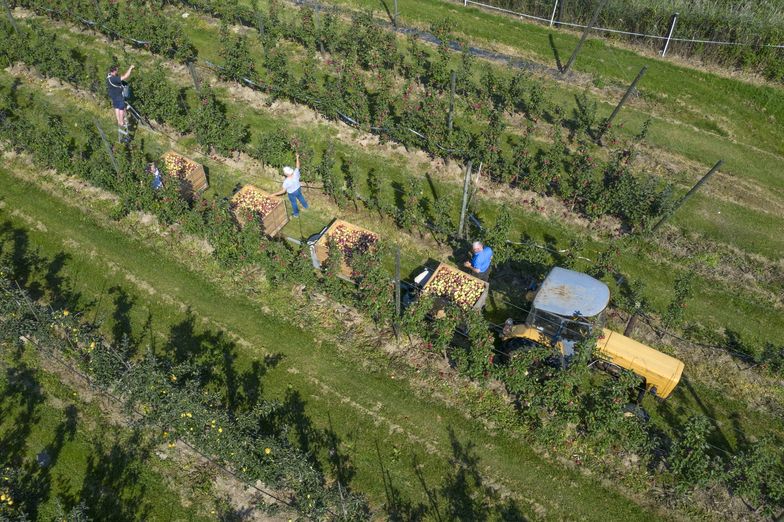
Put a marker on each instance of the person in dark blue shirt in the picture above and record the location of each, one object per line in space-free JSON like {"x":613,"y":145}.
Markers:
{"x":157,"y":179}
{"x":480,"y":260}
{"x":114,"y":85}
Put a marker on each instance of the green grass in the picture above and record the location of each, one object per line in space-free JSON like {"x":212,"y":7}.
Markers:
{"x":87,"y":459}
{"x":338,"y":396}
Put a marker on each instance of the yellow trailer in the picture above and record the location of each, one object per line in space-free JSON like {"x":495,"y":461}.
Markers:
{"x":569,"y":307}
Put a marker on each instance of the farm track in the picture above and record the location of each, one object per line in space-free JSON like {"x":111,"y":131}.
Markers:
{"x":357,"y":406}
{"x":745,"y":388}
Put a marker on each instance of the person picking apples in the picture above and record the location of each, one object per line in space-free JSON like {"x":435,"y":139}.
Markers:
{"x":293,"y":188}
{"x":479,"y":264}
{"x":116,"y":89}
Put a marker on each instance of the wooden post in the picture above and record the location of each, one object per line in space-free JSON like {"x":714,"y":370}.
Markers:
{"x":630,"y":324}
{"x":585,"y":35}
{"x":608,"y":122}
{"x":394,"y":19}
{"x":195,"y":77}
{"x":552,"y":17}
{"x":560,"y":13}
{"x":397,"y":281}
{"x":450,"y":118}
{"x":466,"y":184}
{"x":689,"y":194}
{"x":669,"y":34}
{"x":10,"y":16}
{"x":108,"y":147}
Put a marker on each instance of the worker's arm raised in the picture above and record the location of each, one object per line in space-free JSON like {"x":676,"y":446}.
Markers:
{"x":297,"y":158}
{"x":127,"y":73}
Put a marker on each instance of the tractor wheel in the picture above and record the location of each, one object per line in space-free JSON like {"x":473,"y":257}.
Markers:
{"x":634,"y":410}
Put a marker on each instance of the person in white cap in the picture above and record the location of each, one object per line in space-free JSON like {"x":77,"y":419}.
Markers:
{"x":293,"y":188}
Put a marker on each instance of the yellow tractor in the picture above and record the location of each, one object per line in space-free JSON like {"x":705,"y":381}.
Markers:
{"x":569,"y":307}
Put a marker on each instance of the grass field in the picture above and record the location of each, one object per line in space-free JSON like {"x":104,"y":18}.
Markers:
{"x":380,"y":413}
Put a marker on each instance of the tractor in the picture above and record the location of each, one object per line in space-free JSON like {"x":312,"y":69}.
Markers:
{"x":569,"y":307}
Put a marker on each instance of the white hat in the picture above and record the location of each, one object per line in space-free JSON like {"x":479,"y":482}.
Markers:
{"x":288,"y":171}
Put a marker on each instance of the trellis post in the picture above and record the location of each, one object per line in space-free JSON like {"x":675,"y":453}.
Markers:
{"x":464,"y":207}
{"x":629,"y":91}
{"x":450,"y":119}
{"x":10,"y":16}
{"x":195,"y":77}
{"x":552,"y":17}
{"x":669,"y":34}
{"x":588,"y":28}
{"x":397,"y":292}
{"x":689,"y":194}
{"x":394,"y":19}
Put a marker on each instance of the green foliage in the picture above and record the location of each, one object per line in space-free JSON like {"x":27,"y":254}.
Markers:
{"x":443,"y":222}
{"x":757,"y":476}
{"x":331,"y":269}
{"x":375,"y":292}
{"x":171,"y":403}
{"x":212,"y":127}
{"x":689,"y":460}
{"x":273,"y":149}
{"x":496,"y":236}
{"x":584,"y":115}
{"x":673,"y":316}
{"x":475,"y":360}
{"x":159,"y":99}
{"x":238,"y":63}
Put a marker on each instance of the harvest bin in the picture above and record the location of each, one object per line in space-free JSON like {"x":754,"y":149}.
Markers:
{"x":343,"y":229}
{"x":251,"y":202}
{"x":456,"y":274}
{"x":192,"y":177}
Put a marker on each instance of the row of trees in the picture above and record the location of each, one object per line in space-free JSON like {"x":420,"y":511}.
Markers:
{"x":558,"y":407}
{"x":173,"y":401}
{"x":356,"y":77}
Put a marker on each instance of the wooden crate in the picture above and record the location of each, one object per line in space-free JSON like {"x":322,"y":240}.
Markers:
{"x":272,"y":222}
{"x":322,"y":250}
{"x":193,"y":181}
{"x":443,"y":267}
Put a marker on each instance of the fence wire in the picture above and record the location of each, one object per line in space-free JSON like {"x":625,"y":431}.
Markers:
{"x":615,"y":31}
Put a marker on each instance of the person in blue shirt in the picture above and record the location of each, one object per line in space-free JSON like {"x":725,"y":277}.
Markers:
{"x":480,"y":260}
{"x":157,"y":179}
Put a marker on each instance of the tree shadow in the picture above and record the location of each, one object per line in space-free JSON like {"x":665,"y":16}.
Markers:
{"x":461,"y":495}
{"x":112,"y":486}
{"x":212,"y":360}
{"x":122,"y":325}
{"x":39,"y":276}
{"x":20,"y":404}
{"x":717,"y":437}
{"x":556,"y":54}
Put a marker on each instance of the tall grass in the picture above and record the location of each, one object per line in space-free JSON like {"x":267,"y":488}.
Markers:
{"x":754,"y":23}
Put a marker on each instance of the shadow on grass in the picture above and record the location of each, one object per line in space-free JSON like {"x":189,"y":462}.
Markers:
{"x":212,"y":359}
{"x":460,"y":495}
